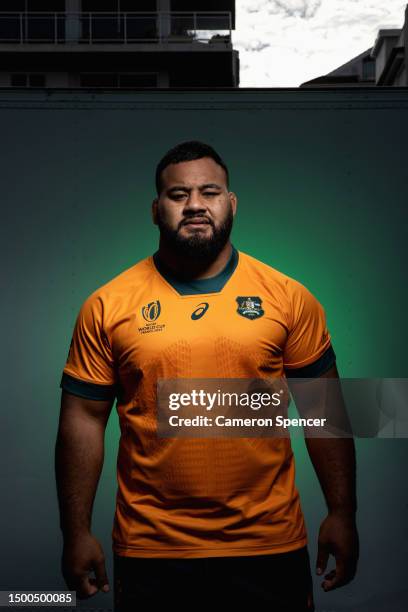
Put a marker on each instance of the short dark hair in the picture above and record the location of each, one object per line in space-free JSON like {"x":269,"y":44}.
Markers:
{"x":187,"y":151}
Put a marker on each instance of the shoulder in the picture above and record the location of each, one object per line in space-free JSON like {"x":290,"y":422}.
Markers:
{"x":274,"y":278}
{"x":293,"y":298}
{"x":117,"y":288}
{"x":125,"y":280}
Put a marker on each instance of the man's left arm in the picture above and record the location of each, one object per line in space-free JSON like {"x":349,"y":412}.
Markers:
{"x":308,"y":354}
{"x":334,"y":461}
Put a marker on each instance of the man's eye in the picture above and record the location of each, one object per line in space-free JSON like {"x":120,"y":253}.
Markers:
{"x":178,"y":196}
{"x":210,"y":193}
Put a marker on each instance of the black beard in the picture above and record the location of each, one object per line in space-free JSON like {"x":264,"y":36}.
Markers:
{"x":197,"y":247}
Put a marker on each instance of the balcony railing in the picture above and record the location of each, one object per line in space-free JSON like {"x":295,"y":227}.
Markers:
{"x":119,"y":27}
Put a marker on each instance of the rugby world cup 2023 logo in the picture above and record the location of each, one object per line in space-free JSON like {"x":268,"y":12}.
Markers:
{"x":151,"y":312}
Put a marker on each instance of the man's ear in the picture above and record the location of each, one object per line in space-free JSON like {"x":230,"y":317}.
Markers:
{"x":155,"y":204}
{"x":234,"y":202}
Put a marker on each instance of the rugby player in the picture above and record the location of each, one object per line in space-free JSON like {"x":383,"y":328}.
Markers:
{"x":197,"y":519}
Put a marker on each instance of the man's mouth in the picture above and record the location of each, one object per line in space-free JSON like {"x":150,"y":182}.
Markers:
{"x":196,"y":221}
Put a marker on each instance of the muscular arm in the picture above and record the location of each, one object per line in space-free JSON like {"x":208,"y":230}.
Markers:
{"x":79,"y":454}
{"x":334,"y":461}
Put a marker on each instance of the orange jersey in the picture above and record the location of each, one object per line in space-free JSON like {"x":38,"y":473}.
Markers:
{"x":198,"y":497}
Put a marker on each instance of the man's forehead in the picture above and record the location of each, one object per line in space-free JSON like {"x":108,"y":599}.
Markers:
{"x":198,"y":171}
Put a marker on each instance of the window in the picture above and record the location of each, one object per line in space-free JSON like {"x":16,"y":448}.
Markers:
{"x":368,"y":69}
{"x":19,"y":80}
{"x":32,"y":6}
{"x":118,"y":5}
{"x":36,"y":80}
{"x":31,"y":21}
{"x":137,"y":80}
{"x":13,"y":5}
{"x":98,"y":80}
{"x":27,"y":80}
{"x":45,"y":5}
{"x":141,"y":5}
{"x":118,"y":80}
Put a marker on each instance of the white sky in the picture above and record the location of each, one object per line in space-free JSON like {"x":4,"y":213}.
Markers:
{"x":283,"y":43}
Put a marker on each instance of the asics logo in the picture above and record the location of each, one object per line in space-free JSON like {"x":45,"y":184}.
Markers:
{"x":200,"y":311}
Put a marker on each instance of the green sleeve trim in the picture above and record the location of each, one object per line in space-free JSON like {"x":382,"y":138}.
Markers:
{"x":315,"y":369}
{"x":86,"y":389}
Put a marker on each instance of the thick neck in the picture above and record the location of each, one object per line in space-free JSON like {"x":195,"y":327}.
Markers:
{"x":195,"y":286}
{"x":191,"y":269}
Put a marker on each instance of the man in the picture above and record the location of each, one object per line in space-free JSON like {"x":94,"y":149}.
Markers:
{"x":197,"y":520}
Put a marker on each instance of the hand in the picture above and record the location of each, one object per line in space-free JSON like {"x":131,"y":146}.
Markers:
{"x":81,"y":555}
{"x":338,"y":536}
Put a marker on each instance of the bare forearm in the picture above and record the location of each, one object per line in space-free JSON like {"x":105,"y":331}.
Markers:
{"x":335,"y":464}
{"x":79,"y":454}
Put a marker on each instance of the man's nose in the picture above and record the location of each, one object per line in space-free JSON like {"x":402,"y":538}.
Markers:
{"x":194,"y":202}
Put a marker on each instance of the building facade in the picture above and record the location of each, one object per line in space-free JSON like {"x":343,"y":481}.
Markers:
{"x":117,"y":43}
{"x":384,"y":64}
{"x":390,"y":52}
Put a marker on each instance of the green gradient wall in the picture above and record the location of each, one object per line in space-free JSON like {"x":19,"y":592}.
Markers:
{"x":322,"y":196}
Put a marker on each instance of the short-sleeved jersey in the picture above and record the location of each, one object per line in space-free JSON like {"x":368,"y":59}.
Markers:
{"x":198,"y":497}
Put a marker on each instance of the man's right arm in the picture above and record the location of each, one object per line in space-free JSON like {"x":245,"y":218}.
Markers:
{"x":79,"y":454}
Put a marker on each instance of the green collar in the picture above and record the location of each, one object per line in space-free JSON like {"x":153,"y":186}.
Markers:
{"x":213,"y":284}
